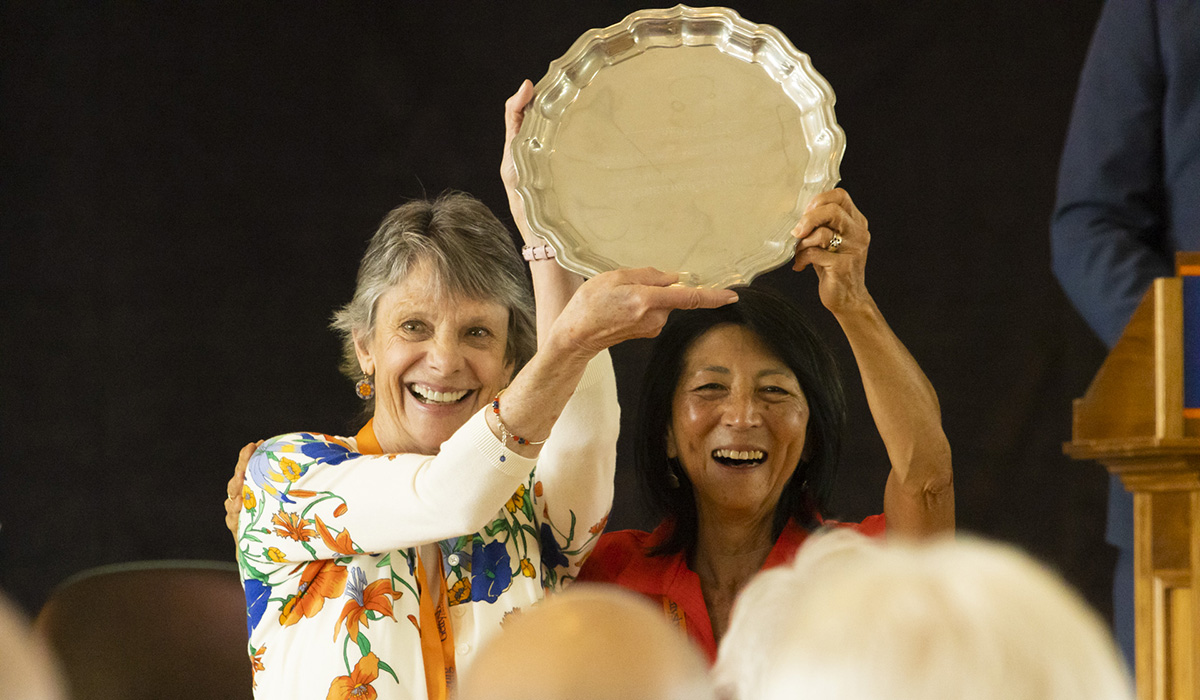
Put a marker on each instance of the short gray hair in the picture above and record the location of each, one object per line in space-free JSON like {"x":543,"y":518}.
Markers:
{"x":935,"y":620}
{"x":471,"y":254}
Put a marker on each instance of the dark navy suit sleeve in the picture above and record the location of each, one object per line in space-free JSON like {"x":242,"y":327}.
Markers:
{"x":1108,"y":231}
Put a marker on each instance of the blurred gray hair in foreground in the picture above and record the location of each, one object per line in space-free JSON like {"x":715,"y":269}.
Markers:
{"x":592,"y":642}
{"x":954,"y":618}
{"x":28,"y":670}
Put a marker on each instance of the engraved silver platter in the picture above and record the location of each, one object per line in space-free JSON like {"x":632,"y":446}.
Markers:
{"x":686,"y":139}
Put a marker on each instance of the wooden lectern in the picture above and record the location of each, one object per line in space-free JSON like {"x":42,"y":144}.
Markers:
{"x":1134,"y":420}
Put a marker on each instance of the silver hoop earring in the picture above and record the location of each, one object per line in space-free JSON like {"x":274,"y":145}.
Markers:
{"x":365,"y":388}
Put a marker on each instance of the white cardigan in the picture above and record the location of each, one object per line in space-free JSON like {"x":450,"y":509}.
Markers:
{"x":329,"y":538}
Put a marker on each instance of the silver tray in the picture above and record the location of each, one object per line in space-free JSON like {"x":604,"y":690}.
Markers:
{"x":686,"y":139}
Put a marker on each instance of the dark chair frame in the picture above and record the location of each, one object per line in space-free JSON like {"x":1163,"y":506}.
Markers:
{"x":151,"y":629}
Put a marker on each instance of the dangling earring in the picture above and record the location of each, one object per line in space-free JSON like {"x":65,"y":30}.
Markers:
{"x":672,"y":477}
{"x":365,"y":388}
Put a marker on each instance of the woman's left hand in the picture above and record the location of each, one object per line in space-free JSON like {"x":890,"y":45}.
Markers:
{"x":834,"y":239}
{"x":514,"y":116}
{"x":553,"y":285}
{"x":919,"y":496}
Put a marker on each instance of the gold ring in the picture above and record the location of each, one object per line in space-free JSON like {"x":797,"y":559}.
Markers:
{"x":834,"y":243}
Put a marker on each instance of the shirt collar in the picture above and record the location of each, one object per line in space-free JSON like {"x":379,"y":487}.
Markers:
{"x":368,"y":444}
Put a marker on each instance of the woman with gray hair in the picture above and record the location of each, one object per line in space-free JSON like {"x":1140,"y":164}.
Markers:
{"x":936,"y":620}
{"x":375,"y":564}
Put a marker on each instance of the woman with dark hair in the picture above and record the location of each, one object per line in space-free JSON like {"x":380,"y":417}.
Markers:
{"x":740,"y":430}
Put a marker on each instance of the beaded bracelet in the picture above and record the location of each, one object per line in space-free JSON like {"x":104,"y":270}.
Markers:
{"x":538,"y":252}
{"x":505,"y":433}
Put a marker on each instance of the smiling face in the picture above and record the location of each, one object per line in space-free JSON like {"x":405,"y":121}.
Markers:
{"x":738,"y":423}
{"x":436,"y":360}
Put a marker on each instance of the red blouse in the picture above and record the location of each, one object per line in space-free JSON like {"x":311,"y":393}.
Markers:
{"x":620,"y":557}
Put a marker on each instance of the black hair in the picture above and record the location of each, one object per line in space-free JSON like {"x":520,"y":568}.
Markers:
{"x":785,"y":331}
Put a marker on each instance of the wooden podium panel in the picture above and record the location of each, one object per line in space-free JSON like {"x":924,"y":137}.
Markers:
{"x":1133,"y":421}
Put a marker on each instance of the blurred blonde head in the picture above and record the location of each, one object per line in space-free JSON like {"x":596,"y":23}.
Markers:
{"x":593,"y":642}
{"x":28,"y":670}
{"x":950,"y":619}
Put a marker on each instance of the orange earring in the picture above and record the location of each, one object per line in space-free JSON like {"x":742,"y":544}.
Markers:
{"x":365,"y":388}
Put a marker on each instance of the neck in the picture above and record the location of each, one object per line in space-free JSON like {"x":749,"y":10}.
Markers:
{"x":378,"y":436}
{"x":731,"y":549}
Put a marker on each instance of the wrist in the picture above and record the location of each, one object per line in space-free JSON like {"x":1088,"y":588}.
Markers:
{"x":858,"y":309}
{"x":565,"y":351}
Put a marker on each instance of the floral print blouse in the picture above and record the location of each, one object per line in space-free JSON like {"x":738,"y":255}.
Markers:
{"x":332,"y":530}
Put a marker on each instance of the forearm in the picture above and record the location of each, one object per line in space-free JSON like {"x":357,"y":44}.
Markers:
{"x":532,"y":403}
{"x":553,"y":286}
{"x":919,"y":498}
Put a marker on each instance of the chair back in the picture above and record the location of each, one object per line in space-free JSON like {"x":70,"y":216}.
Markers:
{"x":155,"y":629}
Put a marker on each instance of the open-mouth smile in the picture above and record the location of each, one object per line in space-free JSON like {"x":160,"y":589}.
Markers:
{"x":739,"y":459}
{"x":430,"y":396}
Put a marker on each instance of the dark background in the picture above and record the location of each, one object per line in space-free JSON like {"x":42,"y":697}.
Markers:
{"x":187,"y":190}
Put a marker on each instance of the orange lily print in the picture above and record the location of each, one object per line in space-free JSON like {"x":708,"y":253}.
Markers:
{"x":357,"y":685}
{"x":342,"y":544}
{"x":256,"y":664}
{"x":320,"y":580}
{"x":598,"y":527}
{"x":364,"y":598}
{"x":293,"y":526}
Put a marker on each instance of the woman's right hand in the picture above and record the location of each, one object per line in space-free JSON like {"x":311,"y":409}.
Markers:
{"x":233,"y":489}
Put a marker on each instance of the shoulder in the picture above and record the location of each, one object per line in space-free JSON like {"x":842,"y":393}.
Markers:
{"x":285,"y":458}
{"x":309,"y":446}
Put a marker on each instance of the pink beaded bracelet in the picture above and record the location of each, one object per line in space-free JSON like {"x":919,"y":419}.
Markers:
{"x":538,"y":252}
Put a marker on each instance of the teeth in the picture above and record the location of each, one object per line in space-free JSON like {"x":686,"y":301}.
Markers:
{"x":432,"y":396}
{"x":743,"y":455}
